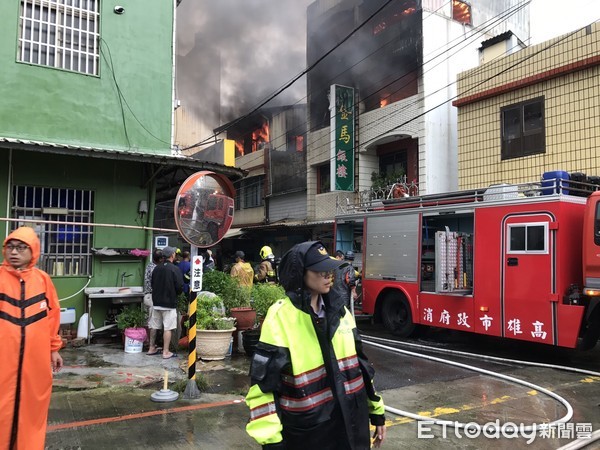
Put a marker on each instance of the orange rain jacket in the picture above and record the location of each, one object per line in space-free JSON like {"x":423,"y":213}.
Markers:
{"x":29,"y":322}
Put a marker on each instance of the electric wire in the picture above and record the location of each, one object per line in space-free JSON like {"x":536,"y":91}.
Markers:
{"x":122,"y":98}
{"x":482,"y":28}
{"x":379,"y":136}
{"x":301,"y":74}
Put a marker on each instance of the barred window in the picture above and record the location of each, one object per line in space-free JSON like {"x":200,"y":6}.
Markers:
{"x":253,"y":192}
{"x":60,"y":33}
{"x":65,"y":249}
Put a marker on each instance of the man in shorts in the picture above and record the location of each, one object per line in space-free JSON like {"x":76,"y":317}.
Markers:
{"x":167,"y":284}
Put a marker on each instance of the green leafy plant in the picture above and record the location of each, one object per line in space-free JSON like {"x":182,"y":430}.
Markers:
{"x":182,"y":303}
{"x":226,"y":287}
{"x":383,"y":181}
{"x":211,"y":315}
{"x":131,"y":316}
{"x":216,"y":282}
{"x":264,"y":295}
{"x":237,"y":297}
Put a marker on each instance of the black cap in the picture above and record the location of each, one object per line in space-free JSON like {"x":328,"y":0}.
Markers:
{"x":318,"y":260}
{"x":240,"y":254}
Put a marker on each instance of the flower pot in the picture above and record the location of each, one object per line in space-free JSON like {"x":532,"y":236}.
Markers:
{"x":213,"y":344}
{"x":250,"y":340}
{"x":245,"y":317}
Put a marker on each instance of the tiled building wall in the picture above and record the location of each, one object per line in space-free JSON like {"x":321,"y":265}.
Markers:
{"x":572,"y":114}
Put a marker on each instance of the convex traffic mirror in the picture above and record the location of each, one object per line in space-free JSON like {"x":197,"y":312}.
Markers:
{"x":204,"y":208}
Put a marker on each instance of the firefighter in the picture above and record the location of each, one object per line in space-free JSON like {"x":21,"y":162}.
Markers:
{"x":344,"y":282}
{"x":29,"y":322}
{"x":266,"y":271}
{"x":311,"y":384}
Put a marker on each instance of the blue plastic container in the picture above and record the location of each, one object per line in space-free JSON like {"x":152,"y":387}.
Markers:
{"x":556,"y":181}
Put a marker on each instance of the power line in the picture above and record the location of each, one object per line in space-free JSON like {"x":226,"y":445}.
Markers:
{"x":517,"y":63}
{"x":122,"y":99}
{"x":480,"y":29}
{"x":473,"y":33}
{"x":300,"y":75}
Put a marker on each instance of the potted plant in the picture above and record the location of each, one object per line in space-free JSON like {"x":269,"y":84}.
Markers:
{"x":236,"y":298}
{"x":214,"y":328}
{"x":263,"y":296}
{"x":131,"y":321}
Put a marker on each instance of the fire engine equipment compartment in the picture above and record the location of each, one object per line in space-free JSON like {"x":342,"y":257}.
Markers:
{"x":447,"y":253}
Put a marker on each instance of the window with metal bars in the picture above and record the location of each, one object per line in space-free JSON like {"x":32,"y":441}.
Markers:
{"x":63,"y":34}
{"x":65,"y":243}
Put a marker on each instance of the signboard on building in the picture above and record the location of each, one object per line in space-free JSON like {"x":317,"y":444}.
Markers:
{"x":196,"y":274}
{"x":342,"y":138}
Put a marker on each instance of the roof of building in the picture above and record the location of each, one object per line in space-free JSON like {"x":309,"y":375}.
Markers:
{"x":499,"y":38}
{"x":122,"y":155}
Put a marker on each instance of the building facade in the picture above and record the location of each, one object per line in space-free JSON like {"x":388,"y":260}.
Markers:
{"x":533,"y":111}
{"x":86,"y":135}
{"x":270,"y":204}
{"x":402,"y":63}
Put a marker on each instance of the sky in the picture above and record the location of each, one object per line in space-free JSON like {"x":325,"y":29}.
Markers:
{"x":549,"y":18}
{"x":260,"y":46}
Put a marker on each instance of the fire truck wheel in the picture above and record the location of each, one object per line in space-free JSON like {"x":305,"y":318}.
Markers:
{"x":396,"y":315}
{"x":592,"y":333}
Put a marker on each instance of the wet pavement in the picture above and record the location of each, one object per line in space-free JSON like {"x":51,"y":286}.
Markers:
{"x":101,"y":400}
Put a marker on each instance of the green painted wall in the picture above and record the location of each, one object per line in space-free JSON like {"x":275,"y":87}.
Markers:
{"x":53,"y":105}
{"x":118,"y":187}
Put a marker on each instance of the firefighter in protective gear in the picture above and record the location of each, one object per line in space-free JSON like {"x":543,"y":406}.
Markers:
{"x":344,"y":282}
{"x":311,"y":384}
{"x":29,"y":322}
{"x":266,"y":271}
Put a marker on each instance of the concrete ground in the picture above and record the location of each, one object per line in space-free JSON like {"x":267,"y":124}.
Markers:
{"x":101,"y":400}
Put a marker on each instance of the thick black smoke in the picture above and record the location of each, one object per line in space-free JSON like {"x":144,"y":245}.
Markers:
{"x":231,"y":54}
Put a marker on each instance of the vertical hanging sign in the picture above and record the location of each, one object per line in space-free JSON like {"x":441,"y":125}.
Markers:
{"x":342,"y":138}
{"x":196,"y":278}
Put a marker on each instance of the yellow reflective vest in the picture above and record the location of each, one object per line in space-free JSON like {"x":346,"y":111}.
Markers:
{"x":301,"y":377}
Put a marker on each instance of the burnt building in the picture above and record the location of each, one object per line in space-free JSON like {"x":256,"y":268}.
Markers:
{"x":401,"y":59}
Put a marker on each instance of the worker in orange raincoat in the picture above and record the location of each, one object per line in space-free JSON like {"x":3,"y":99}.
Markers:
{"x":29,"y":321}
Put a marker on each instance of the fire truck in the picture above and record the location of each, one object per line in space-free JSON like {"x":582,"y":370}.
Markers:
{"x":514,"y":261}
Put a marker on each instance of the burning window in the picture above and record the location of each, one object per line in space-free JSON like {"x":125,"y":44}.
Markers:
{"x":260,"y":137}
{"x":461,"y":12}
{"x":251,"y":142}
{"x":299,"y":143}
{"x":395,"y":14}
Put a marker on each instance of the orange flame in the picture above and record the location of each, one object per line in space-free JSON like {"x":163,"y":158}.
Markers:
{"x":383,"y":102}
{"x":239,"y":147}
{"x":260,"y":137}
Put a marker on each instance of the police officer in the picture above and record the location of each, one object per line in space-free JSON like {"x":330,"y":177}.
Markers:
{"x":311,"y":383}
{"x":266,"y":271}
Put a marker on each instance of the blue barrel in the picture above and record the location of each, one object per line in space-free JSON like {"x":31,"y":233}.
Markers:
{"x":551,"y":182}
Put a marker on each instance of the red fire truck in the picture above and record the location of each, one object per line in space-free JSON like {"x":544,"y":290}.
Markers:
{"x":503,"y":261}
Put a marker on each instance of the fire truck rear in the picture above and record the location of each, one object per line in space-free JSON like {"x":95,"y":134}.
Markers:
{"x":504,"y":261}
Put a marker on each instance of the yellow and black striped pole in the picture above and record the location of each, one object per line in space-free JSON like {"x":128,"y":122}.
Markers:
{"x":191,"y":389}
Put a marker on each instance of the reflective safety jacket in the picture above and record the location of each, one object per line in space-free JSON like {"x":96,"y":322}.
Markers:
{"x":307,"y":372}
{"x":265,"y":272}
{"x":29,"y":321}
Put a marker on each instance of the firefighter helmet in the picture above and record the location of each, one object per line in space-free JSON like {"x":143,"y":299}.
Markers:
{"x":266,"y":253}
{"x":350,"y":255}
